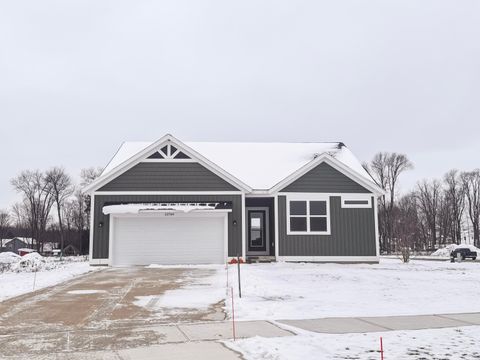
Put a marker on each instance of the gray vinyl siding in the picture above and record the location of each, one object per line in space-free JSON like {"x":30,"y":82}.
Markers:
{"x":168,"y":176}
{"x":101,"y":234}
{"x":352,"y":233}
{"x":324,"y":178}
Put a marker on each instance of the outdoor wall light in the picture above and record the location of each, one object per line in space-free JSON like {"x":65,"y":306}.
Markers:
{"x":100,"y":224}
{"x":234,"y":222}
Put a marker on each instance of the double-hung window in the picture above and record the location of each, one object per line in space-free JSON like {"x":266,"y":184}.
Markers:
{"x":309,"y":216}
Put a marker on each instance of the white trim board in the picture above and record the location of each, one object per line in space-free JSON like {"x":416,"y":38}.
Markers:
{"x":377,"y":237}
{"x":327,"y":259}
{"x":366,"y":199}
{"x":350,"y":195}
{"x":275,"y":213}
{"x":92,"y":225}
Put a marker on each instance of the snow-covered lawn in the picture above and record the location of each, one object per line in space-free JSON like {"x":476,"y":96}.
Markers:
{"x":19,"y":276}
{"x":307,"y":291}
{"x":302,"y":291}
{"x":453,"y":343}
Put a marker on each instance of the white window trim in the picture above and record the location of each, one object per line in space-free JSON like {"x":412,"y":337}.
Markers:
{"x":367,"y":198}
{"x":308,"y":198}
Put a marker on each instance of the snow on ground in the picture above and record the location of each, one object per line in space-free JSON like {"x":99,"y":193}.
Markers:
{"x":21,"y":275}
{"x":306,"y":291}
{"x":198,"y":293}
{"x":452,"y":343}
{"x":445,"y":251}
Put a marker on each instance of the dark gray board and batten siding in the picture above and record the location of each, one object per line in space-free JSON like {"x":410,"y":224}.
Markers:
{"x":352,"y":230}
{"x":166,"y":176}
{"x":325,"y":179}
{"x":352,"y":233}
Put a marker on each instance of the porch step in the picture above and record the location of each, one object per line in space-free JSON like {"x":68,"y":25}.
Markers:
{"x":260,"y":259}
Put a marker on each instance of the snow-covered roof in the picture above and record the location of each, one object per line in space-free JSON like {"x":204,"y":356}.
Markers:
{"x":138,"y":208}
{"x":28,"y":241}
{"x":259,"y":165}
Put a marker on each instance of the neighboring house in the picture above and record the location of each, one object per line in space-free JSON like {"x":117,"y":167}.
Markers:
{"x":18,"y":243}
{"x":70,"y":250}
{"x":48,"y":248}
{"x":174,"y":202}
{"x":25,"y":251}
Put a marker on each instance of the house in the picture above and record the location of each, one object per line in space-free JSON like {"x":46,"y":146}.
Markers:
{"x":25,"y":251}
{"x":174,"y":202}
{"x":48,"y":248}
{"x":70,"y":250}
{"x":17,"y":243}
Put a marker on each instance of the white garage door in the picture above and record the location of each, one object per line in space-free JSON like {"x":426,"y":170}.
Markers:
{"x":144,"y":240}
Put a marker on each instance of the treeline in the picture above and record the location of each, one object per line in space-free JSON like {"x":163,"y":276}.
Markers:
{"x":52,"y":209}
{"x":435,"y":213}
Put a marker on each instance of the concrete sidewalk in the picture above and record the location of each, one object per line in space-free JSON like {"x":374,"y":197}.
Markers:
{"x":199,"y":340}
{"x":384,"y":323}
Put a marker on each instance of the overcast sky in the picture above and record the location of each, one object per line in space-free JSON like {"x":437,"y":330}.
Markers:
{"x":79,"y":77}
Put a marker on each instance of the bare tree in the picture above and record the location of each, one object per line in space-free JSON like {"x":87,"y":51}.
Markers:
{"x":428,"y":195}
{"x":386,"y":169}
{"x":407,"y":225}
{"x":471,"y":183}
{"x":20,"y":216}
{"x":37,"y":202}
{"x":87,"y":176}
{"x":60,"y":185}
{"x":455,"y":193}
{"x":445,"y":218}
{"x":4,"y":225}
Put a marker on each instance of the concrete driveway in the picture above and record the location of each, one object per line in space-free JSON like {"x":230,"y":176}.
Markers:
{"x":97,"y":312}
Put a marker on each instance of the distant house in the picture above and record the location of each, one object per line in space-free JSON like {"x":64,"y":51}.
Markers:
{"x":70,"y":250}
{"x":25,"y":251}
{"x":49,"y":248}
{"x":17,"y":243}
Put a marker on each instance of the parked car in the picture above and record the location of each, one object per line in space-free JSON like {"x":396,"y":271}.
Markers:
{"x":463,"y":253}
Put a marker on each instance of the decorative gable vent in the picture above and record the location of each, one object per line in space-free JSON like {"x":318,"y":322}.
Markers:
{"x":168,"y":152}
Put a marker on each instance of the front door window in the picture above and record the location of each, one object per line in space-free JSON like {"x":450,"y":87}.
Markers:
{"x":257,"y":232}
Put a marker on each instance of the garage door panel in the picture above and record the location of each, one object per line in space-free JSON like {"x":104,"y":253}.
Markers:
{"x":175,"y":240}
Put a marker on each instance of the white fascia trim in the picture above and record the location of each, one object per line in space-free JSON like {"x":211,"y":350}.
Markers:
{"x":167,"y":139}
{"x":98,"y":261}
{"x":244,"y":232}
{"x":330,"y":259}
{"x":92,"y":216}
{"x":336,"y":164}
{"x":168,"y":192}
{"x":168,"y":161}
{"x":275,"y":206}
{"x":121,"y":168}
{"x":257,"y":195}
{"x":260,"y":192}
{"x":178,"y":214}
{"x":377,"y":237}
{"x":320,"y":194}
